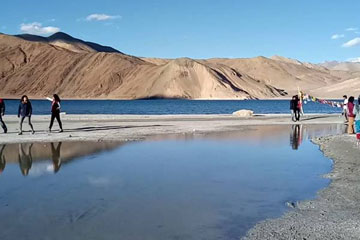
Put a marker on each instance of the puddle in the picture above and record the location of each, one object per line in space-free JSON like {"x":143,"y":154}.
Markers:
{"x":212,"y":186}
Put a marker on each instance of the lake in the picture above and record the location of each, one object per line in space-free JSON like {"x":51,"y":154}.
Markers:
{"x":169,"y":106}
{"x":212,"y":186}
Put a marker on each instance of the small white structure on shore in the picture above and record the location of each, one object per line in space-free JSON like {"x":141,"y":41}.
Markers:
{"x":244,"y":113}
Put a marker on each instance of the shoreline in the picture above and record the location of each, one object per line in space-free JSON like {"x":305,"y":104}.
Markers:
{"x":288,"y":98}
{"x":334,"y":213}
{"x":140,"y":127}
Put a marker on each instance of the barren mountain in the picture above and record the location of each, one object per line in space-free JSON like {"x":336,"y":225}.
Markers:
{"x":73,"y":68}
{"x":350,"y":87}
{"x":343,"y":66}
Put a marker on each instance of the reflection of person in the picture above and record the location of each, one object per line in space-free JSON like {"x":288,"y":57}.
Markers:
{"x":55,"y":111}
{"x":25,"y":111}
{"x":55,"y":155}
{"x":351,"y":116}
{"x":296,"y":136}
{"x":2,"y":158}
{"x":2,"y":113}
{"x":25,"y":158}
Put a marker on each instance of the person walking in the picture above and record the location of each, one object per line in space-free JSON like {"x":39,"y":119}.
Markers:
{"x":356,"y":112}
{"x":2,"y":113}
{"x":350,"y":115}
{"x":25,"y":111}
{"x":294,"y":108}
{"x":297,"y":108}
{"x":55,"y":111}
{"x":344,"y":113}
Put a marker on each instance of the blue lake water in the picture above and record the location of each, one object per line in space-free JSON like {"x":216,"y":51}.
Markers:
{"x":169,"y":106}
{"x":213,"y":186}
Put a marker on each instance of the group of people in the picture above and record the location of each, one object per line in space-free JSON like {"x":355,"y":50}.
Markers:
{"x":351,"y":112}
{"x":25,"y":112}
{"x":296,"y":108}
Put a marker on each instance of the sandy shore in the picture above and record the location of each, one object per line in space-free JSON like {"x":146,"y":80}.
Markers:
{"x":136,"y":127}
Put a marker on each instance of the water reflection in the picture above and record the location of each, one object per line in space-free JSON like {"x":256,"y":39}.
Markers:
{"x":40,"y":158}
{"x":25,"y":158}
{"x":296,"y":136}
{"x":56,"y":158}
{"x":213,"y":186}
{"x":2,"y":158}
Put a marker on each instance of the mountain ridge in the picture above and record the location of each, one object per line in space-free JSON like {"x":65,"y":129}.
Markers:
{"x":40,"y":66}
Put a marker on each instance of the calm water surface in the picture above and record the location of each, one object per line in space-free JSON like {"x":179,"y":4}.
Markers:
{"x":213,"y":186}
{"x":169,"y":106}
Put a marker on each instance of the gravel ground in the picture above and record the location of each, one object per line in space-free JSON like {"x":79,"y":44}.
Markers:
{"x":335,"y":213}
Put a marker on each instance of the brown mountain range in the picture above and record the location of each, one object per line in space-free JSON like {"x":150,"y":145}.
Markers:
{"x":39,"y":66}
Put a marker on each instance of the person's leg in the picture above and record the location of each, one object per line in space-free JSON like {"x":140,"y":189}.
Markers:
{"x":292,"y":115}
{"x":51,"y":121}
{"x":21,"y":120}
{"x":3,"y":125}
{"x":297,"y":115}
{"x":30,"y":124}
{"x":59,"y":121}
{"x":351,"y":125}
{"x":346,"y":116}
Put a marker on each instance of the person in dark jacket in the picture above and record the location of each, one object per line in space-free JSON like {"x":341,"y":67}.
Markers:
{"x":294,"y":107}
{"x":55,"y":111}
{"x":2,"y":113}
{"x":25,"y":111}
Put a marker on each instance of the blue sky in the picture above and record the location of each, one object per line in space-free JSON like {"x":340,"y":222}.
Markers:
{"x":313,"y":31}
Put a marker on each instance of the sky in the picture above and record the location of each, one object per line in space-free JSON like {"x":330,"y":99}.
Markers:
{"x":312,"y":31}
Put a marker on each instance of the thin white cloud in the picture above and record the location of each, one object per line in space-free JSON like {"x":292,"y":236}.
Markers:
{"x":37,"y":29}
{"x":101,"y":17}
{"x":354,"y":60}
{"x":337,"y":36}
{"x":352,"y":43}
{"x":351,"y":29}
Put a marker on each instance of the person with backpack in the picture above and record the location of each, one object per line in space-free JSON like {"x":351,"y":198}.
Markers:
{"x":2,"y":113}
{"x":25,"y":111}
{"x":55,"y":111}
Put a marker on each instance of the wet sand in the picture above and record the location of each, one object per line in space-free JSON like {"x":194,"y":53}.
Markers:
{"x":139,"y":127}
